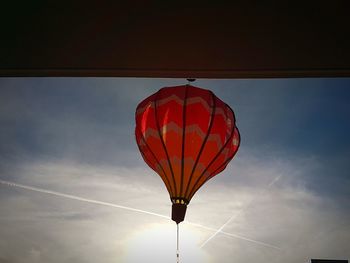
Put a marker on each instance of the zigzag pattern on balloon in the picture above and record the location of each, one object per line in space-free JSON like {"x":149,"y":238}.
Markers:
{"x":180,"y":102}
{"x":170,"y":120}
{"x":173,"y":127}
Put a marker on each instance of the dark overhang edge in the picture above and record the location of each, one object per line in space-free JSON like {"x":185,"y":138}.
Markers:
{"x":213,"y":74}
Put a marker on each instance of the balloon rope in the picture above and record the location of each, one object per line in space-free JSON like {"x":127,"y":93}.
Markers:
{"x":177,"y":244}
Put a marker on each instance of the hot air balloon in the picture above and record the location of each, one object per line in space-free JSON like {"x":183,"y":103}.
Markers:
{"x":186,"y":135}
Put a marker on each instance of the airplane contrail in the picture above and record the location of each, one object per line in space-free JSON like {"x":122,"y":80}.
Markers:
{"x":234,"y":235}
{"x":40,"y":190}
{"x":92,"y":201}
{"x":238,"y":213}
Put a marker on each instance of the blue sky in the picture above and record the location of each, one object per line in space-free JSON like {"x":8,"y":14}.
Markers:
{"x":287,"y":187}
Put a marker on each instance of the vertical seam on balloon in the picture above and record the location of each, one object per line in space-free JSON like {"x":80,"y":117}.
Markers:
{"x":204,"y":141}
{"x":229,"y":158}
{"x":162,"y":141}
{"x":183,"y":139}
{"x":215,"y":157}
{"x":224,"y":163}
{"x":154,"y":156}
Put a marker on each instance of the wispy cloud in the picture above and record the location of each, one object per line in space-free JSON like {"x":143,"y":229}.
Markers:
{"x":278,"y":214}
{"x":96,"y":202}
{"x":238,"y":213}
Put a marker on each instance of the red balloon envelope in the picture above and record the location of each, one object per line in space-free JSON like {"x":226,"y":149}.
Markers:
{"x":187,"y":135}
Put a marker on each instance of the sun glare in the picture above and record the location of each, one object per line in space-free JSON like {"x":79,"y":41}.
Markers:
{"x":157,"y":243}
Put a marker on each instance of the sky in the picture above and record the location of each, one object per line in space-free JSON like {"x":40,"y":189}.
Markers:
{"x":74,"y":187}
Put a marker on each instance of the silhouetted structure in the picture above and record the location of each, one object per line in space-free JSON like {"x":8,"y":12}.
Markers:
{"x":328,"y":261}
{"x":200,"y":39}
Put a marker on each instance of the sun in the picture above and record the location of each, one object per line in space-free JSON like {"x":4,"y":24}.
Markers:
{"x":157,"y":243}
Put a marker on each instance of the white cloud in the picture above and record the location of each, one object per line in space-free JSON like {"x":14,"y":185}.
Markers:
{"x":285,"y":214}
